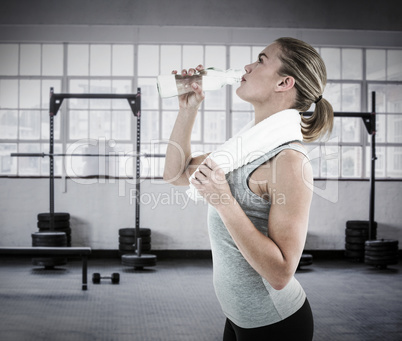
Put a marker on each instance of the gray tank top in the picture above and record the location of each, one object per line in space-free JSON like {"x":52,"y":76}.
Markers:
{"x":246,"y":298}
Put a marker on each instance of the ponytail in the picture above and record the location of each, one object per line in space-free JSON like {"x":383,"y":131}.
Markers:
{"x":319,"y":125}
{"x":302,"y":62}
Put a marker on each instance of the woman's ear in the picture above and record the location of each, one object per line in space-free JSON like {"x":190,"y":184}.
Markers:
{"x":285,"y":84}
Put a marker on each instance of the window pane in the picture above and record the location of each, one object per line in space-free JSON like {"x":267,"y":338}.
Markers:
{"x":351,"y":162}
{"x":121,"y":125}
{"x":29,"y":165}
{"x":100,"y":86}
{"x":388,"y":97}
{"x":351,"y":97}
{"x":330,"y":161}
{"x":148,"y":60}
{"x":8,"y":93}
{"x":240,"y":56}
{"x":30,"y":94}
{"x":30,"y":124}
{"x":78,"y":86}
{"x":352,"y":64}
{"x":52,"y":60}
{"x":215,"y":100}
{"x":379,"y":163}
{"x":336,"y":130}
{"x":332,"y":94}
{"x":394,"y":128}
{"x":100,"y":61}
{"x":8,"y":164}
{"x":351,"y":128}
{"x":78,"y":124}
{"x":170,"y":59}
{"x":394,"y":164}
{"x":150,"y":126}
{"x":394,"y":65}
{"x":9,"y":59}
{"x":45,"y":123}
{"x":30,"y":59}
{"x":8,"y":124}
{"x":100,"y":124}
{"x":123,"y":60}
{"x":214,"y":126}
{"x":121,"y":87}
{"x":215,"y":56}
{"x":192,"y":56}
{"x":46,"y":85}
{"x":332,"y":62}
{"x":78,"y":60}
{"x":149,"y":93}
{"x":239,"y":120}
{"x":375,"y":60}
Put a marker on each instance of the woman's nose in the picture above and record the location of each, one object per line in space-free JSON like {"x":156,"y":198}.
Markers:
{"x":247,"y":68}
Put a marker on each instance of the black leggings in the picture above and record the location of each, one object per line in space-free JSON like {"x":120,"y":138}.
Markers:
{"x":298,"y":327}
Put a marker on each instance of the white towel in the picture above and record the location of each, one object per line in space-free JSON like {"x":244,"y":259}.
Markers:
{"x":254,"y":141}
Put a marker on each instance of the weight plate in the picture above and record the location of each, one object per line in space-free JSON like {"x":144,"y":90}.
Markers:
{"x":356,"y":233}
{"x":381,"y":262}
{"x":354,"y":247}
{"x":127,"y":247}
{"x":360,"y":224}
{"x":58,"y":216}
{"x":66,"y":230}
{"x":382,"y":243}
{"x":57,"y":224}
{"x":355,"y":240}
{"x":136,"y":261}
{"x":132,"y":240}
{"x":381,"y":252}
{"x":381,"y":258}
{"x":130,"y":232}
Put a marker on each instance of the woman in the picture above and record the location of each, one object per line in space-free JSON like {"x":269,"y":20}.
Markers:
{"x":258,"y":213}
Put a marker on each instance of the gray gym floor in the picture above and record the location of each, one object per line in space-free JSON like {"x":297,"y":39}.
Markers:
{"x":175,"y":301}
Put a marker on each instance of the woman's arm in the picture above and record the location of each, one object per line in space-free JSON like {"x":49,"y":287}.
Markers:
{"x":179,"y":164}
{"x":275,"y":257}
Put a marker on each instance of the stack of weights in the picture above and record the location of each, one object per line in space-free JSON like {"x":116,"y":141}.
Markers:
{"x":356,"y":234}
{"x":127,"y":240}
{"x":381,"y":253}
{"x":60,"y":236}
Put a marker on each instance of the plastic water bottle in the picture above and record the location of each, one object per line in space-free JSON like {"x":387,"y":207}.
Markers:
{"x":210,"y":79}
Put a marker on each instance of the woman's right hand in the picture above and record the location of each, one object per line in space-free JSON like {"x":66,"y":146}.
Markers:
{"x":191,"y":100}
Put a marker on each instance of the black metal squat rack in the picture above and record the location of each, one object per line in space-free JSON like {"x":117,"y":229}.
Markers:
{"x":134,"y":101}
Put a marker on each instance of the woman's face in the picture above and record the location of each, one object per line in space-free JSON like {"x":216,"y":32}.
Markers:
{"x":261,"y":78}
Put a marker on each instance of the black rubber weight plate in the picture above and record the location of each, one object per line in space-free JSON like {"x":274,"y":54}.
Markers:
{"x":132,"y":240}
{"x":135,"y":261}
{"x":130,"y":232}
{"x":390,"y":243}
{"x":58,"y":216}
{"x":57,"y":224}
{"x":354,"y":247}
{"x":359,"y":224}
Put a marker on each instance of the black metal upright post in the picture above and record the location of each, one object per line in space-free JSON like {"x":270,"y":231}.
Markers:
{"x":51,"y":162}
{"x":373,"y":159}
{"x":138,"y":175}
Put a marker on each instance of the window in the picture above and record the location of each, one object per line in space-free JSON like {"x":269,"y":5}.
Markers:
{"x":28,"y":71}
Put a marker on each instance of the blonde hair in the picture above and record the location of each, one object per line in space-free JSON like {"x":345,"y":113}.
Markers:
{"x":302,"y":62}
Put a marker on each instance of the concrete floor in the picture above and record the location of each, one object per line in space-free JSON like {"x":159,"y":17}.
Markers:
{"x":175,"y":301}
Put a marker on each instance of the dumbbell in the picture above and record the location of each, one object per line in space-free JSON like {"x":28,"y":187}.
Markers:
{"x":96,"y":278}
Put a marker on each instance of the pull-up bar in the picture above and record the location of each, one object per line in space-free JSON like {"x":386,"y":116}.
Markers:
{"x":56,"y":100}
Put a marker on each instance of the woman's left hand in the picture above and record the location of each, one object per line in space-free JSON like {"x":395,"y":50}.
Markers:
{"x":210,"y":181}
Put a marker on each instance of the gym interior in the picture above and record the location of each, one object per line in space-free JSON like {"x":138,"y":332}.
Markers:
{"x":95,"y":245}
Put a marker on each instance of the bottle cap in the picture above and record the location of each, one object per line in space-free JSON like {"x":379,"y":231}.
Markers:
{"x":167,"y":86}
